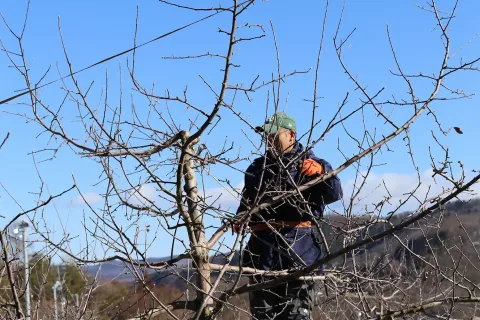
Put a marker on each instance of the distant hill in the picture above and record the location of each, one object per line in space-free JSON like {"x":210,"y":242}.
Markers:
{"x":117,"y":270}
{"x":465,"y":212}
{"x":457,"y":223}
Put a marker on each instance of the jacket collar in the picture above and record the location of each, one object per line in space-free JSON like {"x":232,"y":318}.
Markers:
{"x":290,"y":155}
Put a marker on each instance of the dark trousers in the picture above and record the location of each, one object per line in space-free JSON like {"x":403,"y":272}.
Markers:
{"x":292,"y":249}
{"x":292,"y":300}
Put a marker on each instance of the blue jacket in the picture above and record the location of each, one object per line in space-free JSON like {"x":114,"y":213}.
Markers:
{"x":266,"y":178}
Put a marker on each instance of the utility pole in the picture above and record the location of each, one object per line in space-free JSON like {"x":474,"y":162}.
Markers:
{"x":55,"y":310}
{"x":23,"y":229}
{"x":57,"y":286}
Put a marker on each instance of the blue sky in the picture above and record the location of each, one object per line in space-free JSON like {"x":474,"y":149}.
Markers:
{"x":94,"y":30}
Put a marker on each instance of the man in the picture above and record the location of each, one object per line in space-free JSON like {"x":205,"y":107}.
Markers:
{"x":285,"y":235}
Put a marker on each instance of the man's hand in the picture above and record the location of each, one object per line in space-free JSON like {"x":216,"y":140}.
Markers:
{"x":234,"y":228}
{"x":310,"y":168}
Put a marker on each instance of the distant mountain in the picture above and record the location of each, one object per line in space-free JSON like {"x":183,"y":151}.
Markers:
{"x":118,"y":270}
{"x":466,"y":212}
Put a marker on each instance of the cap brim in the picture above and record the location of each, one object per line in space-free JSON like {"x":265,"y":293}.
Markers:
{"x":268,"y":128}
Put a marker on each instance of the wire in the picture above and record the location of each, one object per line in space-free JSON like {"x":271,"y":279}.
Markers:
{"x":111,"y":57}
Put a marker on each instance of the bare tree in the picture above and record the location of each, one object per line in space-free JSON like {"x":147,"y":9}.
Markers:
{"x":381,"y":262}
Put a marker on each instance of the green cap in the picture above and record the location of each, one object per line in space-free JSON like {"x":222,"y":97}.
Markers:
{"x":277,"y":121}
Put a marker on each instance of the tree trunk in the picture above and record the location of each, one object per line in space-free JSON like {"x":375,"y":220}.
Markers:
{"x":201,"y":250}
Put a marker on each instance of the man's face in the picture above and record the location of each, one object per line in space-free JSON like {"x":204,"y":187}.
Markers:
{"x":281,"y":141}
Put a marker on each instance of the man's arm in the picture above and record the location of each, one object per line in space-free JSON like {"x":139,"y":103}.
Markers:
{"x":327,"y":191}
{"x":247,"y":196}
{"x":243,"y":206}
{"x":331,"y":189}
{"x":246,"y":192}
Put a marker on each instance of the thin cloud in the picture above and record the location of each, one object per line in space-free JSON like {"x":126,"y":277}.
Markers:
{"x":397,"y":187}
{"x":226,"y":198}
{"x":143,"y":195}
{"x":90,"y":197}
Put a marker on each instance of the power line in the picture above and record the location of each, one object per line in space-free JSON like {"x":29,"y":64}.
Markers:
{"x":111,"y":57}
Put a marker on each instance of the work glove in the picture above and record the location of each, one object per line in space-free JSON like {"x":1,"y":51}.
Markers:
{"x":236,"y":228}
{"x":310,"y":167}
